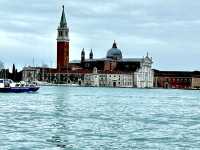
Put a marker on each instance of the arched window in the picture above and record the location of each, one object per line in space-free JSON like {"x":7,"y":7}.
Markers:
{"x":60,"y":33}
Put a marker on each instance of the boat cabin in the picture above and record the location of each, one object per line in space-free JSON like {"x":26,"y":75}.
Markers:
{"x":6,"y":83}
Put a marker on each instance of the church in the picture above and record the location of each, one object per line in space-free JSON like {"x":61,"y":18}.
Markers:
{"x":113,"y":70}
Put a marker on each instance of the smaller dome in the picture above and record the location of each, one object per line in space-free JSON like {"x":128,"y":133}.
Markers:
{"x":114,"y":52}
{"x":91,"y":54}
{"x":83,"y":52}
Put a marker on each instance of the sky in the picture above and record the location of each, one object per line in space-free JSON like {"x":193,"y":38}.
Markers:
{"x":168,"y":30}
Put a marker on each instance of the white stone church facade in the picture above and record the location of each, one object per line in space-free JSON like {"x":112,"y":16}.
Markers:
{"x":142,"y":78}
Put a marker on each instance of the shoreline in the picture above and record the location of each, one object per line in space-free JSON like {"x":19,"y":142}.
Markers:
{"x":77,"y":85}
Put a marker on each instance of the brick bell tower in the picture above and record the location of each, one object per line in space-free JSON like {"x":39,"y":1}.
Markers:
{"x":62,"y":43}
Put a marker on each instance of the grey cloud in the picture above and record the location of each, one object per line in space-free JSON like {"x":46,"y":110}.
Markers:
{"x":169,"y":30}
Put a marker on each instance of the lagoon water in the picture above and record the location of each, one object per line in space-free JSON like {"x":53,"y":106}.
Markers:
{"x":75,"y":118}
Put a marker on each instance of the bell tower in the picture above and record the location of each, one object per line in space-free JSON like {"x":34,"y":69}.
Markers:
{"x":62,"y":42}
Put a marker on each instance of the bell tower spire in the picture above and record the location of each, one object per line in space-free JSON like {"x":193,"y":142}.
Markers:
{"x":63,"y":22}
{"x":63,"y":30}
{"x":62,"y":42}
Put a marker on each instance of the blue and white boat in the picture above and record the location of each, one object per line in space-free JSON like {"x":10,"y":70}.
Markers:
{"x":8,"y":86}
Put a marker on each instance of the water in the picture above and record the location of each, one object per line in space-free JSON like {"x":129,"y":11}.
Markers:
{"x":59,"y":118}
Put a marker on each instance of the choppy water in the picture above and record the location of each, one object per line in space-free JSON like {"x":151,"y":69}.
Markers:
{"x":77,"y":118}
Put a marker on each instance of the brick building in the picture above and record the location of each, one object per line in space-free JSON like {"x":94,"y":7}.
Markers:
{"x":176,"y":79}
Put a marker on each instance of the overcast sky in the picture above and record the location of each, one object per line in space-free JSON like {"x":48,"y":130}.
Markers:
{"x":168,"y":30}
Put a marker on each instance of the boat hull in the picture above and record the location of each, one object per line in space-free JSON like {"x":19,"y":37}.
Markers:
{"x":19,"y":89}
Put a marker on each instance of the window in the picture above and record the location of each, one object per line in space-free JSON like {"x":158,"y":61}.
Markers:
{"x":60,"y":33}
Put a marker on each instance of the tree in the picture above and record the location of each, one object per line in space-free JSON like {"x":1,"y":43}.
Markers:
{"x":45,"y":66}
{"x":14,"y":72}
{"x":1,"y":65}
{"x":13,"y":69}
